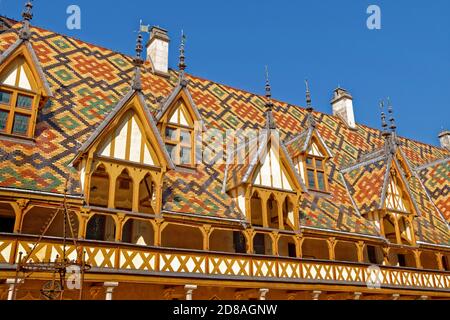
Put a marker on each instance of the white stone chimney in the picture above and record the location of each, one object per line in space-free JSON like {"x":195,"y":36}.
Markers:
{"x":158,"y":50}
{"x":444,"y":137}
{"x":342,"y":104}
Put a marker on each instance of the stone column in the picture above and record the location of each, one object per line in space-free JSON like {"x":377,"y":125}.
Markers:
{"x":12,"y":287}
{"x":189,"y":291}
{"x":316,"y":295}
{"x":110,"y":286}
{"x":263,"y":293}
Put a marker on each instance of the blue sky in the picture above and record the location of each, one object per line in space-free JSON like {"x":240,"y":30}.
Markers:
{"x":325,"y":41}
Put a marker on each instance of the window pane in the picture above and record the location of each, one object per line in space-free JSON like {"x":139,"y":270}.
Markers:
{"x":3,"y":119}
{"x":311,"y":179}
{"x":319,"y":163}
{"x":21,"y":124}
{"x":171,"y":149}
{"x":185,"y":137}
{"x":5,"y":97}
{"x":171,"y":134}
{"x":24,"y":102}
{"x":309,"y":162}
{"x":185,"y":155}
{"x":321,"y":180}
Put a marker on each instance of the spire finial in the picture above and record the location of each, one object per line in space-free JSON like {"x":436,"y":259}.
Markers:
{"x":383,"y":120}
{"x":270,"y":122}
{"x":309,"y":107}
{"x":182,"y":60}
{"x":27,"y":15}
{"x":393,"y":126}
{"x":138,"y":62}
{"x":268,"y":86}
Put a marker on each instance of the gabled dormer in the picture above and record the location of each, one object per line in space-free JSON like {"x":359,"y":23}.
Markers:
{"x":122,"y":165}
{"x":23,"y":90}
{"x":310,"y":155}
{"x":380,"y":190}
{"x":264,"y":182}
{"x":179,"y":120}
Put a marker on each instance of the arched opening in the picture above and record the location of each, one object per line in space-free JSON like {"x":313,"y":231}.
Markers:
{"x":138,"y":232}
{"x":7,"y":218}
{"x":99,"y":189}
{"x":256,"y":210}
{"x":346,"y":251}
{"x":315,"y":249}
{"x":262,"y":244}
{"x":429,"y":260}
{"x":402,"y":258}
{"x":272,"y":212}
{"x":35,"y":220}
{"x":288,"y":215}
{"x":227,"y":241}
{"x":182,"y":237}
{"x":373,"y":255}
{"x":147,"y":196}
{"x":101,"y":228}
{"x":124,"y":192}
{"x":287,"y":247}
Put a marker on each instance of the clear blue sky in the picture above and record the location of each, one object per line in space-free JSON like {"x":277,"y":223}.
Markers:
{"x":325,"y":41}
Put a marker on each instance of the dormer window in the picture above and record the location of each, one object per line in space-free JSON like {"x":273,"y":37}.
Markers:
{"x":179,"y":136}
{"x":312,"y":167}
{"x":18,"y":100}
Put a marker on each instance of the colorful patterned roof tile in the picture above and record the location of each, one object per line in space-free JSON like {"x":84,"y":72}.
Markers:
{"x":87,"y":81}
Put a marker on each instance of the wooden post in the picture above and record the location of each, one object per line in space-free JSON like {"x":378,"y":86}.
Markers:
{"x":417,"y":254}
{"x":84,"y":217}
{"x":331,"y":248}
{"x":119,"y":227}
{"x":265,"y":215}
{"x":298,"y":245}
{"x":249,"y":234}
{"x":19,"y":208}
{"x":439,"y":257}
{"x":275,"y":238}
{"x":159,"y":226}
{"x":360,"y":247}
{"x":280,"y":204}
{"x":386,"y":251}
{"x":206,"y":231}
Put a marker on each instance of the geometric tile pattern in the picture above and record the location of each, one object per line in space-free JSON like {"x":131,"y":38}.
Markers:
{"x":87,"y":81}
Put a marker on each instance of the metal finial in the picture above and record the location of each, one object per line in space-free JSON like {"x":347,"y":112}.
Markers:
{"x":270,"y":122}
{"x":308,"y":98}
{"x":393,"y":126}
{"x":139,"y":47}
{"x":182,"y":63}
{"x":268,"y":86}
{"x":27,"y":15}
{"x":138,"y":62}
{"x":383,"y":120}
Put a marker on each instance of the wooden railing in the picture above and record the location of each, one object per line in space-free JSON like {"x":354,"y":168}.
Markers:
{"x":200,"y":264}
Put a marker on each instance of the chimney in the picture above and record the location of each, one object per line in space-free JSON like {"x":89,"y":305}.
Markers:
{"x":342,"y":104}
{"x":444,"y":137}
{"x":158,"y":50}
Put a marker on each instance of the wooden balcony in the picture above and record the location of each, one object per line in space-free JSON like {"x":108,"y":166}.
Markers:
{"x":126,"y":259}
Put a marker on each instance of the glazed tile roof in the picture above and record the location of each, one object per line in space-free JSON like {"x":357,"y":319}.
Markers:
{"x":88,"y":81}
